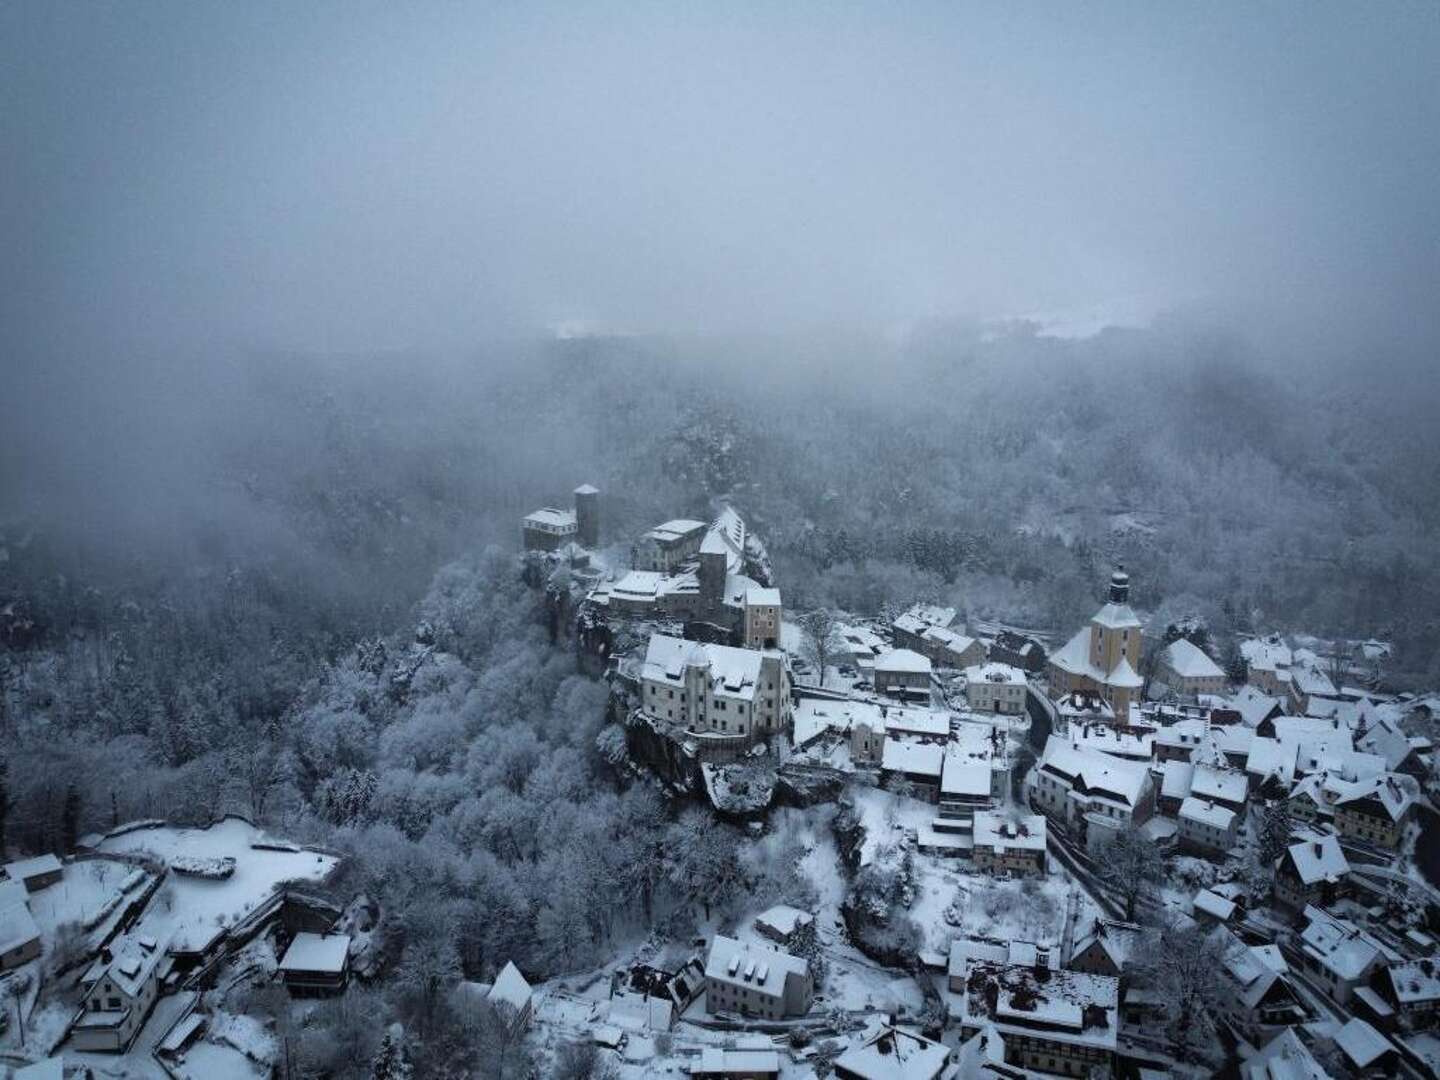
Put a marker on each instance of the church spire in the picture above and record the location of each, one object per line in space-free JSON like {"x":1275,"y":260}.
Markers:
{"x":1119,"y":586}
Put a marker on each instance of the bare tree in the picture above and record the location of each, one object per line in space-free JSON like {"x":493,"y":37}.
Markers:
{"x":1131,"y":863}
{"x":821,"y":638}
{"x":1186,"y":969}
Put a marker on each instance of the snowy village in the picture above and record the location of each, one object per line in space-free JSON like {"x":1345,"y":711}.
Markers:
{"x":987,"y":853}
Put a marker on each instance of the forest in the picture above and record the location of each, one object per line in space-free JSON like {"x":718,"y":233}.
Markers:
{"x":314,"y":616}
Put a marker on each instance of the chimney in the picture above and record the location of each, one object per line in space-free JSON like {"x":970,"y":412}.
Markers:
{"x":1318,"y":848}
{"x":105,"y":955}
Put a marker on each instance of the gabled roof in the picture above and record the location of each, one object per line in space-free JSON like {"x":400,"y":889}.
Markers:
{"x":1124,"y":780}
{"x":894,"y":1054}
{"x":17,"y":926}
{"x":1318,"y":860}
{"x":1123,"y":675}
{"x":511,"y":988}
{"x":1212,"y":782}
{"x":914,"y":757}
{"x":1267,"y":654}
{"x":902,"y":660}
{"x":1362,"y":1044}
{"x":1207,"y":813}
{"x":1415,"y":981}
{"x":1339,"y":945}
{"x":1285,"y":1057}
{"x":1187,"y":660}
{"x":751,"y":965}
{"x":1120,"y":940}
{"x":1393,"y":792}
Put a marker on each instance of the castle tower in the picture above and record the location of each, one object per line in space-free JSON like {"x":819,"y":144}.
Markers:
{"x":587,"y":515}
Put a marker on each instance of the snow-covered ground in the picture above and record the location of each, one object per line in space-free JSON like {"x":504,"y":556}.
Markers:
{"x":201,"y":908}
{"x":83,"y":895}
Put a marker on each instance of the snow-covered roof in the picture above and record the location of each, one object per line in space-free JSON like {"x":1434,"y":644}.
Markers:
{"x":17,"y":926}
{"x":1271,"y":757}
{"x":1175,"y":779}
{"x":587,"y":489}
{"x":1189,"y":661}
{"x":1116,"y":617}
{"x":914,"y":757}
{"x":1206,"y":813}
{"x":1283,"y":1058}
{"x":902,"y":661}
{"x":670,"y":531}
{"x":133,"y":961}
{"x":751,"y":965}
{"x":1395,"y":793}
{"x":1267,"y":654}
{"x":1226,"y":785}
{"x":929,"y":615}
{"x":1318,"y":860}
{"x":1119,"y":939}
{"x":1003,"y":831}
{"x":550,"y":517}
{"x":639,"y":585}
{"x":948,"y":639}
{"x":511,"y":988}
{"x":1361,"y":1043}
{"x":1123,"y":675}
{"x":894,"y":1054}
{"x":756,"y":596}
{"x":916,"y":721}
{"x":995,"y":672}
{"x":12,"y":892}
{"x":1415,"y":981}
{"x":1310,"y":680}
{"x":1074,"y":656}
{"x":714,"y":1060}
{"x":1382,"y":735}
{"x":52,"y":1068}
{"x":24,"y":869}
{"x":1212,"y":903}
{"x":733,"y":673}
{"x":1125,"y":780}
{"x":1253,"y":705}
{"x":1339,"y":945}
{"x":783,"y":919}
{"x":1111,"y":740}
{"x":324,"y":953}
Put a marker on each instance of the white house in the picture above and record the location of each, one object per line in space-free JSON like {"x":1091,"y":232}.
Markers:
{"x":120,"y":988}
{"x":756,"y":981}
{"x":1206,"y":826}
{"x":892,"y":1053}
{"x":1085,"y":788}
{"x":512,"y":994}
{"x":716,"y":688}
{"x":903,"y":673}
{"x":1186,"y":669}
{"x":997,"y":688}
{"x":1339,"y":955}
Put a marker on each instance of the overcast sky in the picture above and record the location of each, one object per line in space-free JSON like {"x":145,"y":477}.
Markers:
{"x":341,"y":176}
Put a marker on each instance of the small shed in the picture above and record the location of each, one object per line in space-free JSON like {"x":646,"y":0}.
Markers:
{"x":36,"y":873}
{"x":316,"y":964}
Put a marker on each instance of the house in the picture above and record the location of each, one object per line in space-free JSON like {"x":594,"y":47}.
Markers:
{"x":1185,"y":669}
{"x":1311,"y":872}
{"x":1082,"y":709}
{"x":1255,"y":706}
{"x":19,"y":934}
{"x":1108,"y":948}
{"x":976,"y":771}
{"x":1009,"y":844}
{"x":892,"y":1053}
{"x":1128,"y":744}
{"x":1089,"y":791}
{"x":779,"y":923}
{"x":996,"y":688}
{"x":1102,"y":657}
{"x":858,"y":646}
{"x":1258,"y":992}
{"x":1284,"y":1057}
{"x":669,"y":544}
{"x":512,"y":996}
{"x":120,"y":989}
{"x":917,"y":631}
{"x":1366,"y":1051}
{"x":1210,"y":906}
{"x":1338,"y":955}
{"x":1412,"y":988}
{"x":1180,"y":740}
{"x":756,"y":981}
{"x":1267,"y":664}
{"x":1051,"y":1020}
{"x":762,"y":617}
{"x":716,"y":688}
{"x":1017,"y":650}
{"x":1175,"y":777}
{"x":1376,"y":809}
{"x":1380,"y":734}
{"x":1207,"y":827}
{"x":1228,"y":787}
{"x":35,"y":874}
{"x":918,"y":762}
{"x":548,"y":529}
{"x":903,"y":673}
{"x":1308,"y":683}
{"x":1270,"y":765}
{"x":717,"y":1064}
{"x":678,"y":989}
{"x":872,"y":723}
{"x":316,"y":964}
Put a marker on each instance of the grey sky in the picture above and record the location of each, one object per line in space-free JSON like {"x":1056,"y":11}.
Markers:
{"x":353,"y":176}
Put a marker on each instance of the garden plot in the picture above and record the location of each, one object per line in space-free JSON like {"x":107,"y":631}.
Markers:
{"x":92,"y":894}
{"x":192,"y":910}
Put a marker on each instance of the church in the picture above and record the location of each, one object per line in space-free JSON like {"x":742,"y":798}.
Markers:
{"x":1103,"y":658}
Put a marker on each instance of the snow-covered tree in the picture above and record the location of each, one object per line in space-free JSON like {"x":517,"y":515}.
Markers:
{"x":1131,"y":863}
